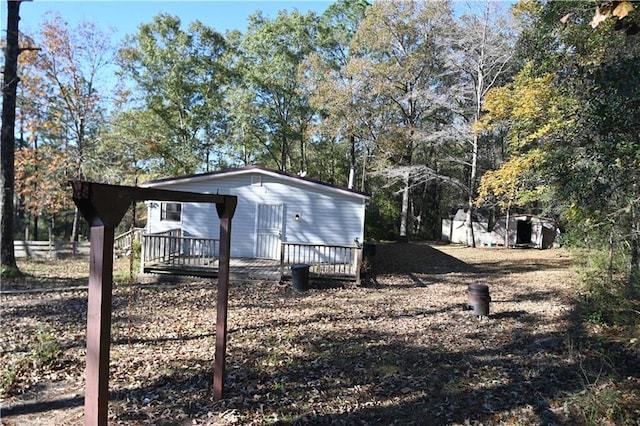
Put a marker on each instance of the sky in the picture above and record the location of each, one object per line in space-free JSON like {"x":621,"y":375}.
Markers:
{"x":124,"y":16}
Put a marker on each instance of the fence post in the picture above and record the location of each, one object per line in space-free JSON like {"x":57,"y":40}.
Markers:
{"x":53,"y":255}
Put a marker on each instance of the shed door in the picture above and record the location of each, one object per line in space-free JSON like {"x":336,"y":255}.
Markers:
{"x":523,"y":232}
{"x":269,"y":231}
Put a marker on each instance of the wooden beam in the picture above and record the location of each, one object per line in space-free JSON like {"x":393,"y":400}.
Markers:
{"x":103,"y":206}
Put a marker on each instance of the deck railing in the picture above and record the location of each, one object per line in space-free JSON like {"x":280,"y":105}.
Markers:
{"x":173,"y":249}
{"x":330,"y":261}
{"x":124,"y":242}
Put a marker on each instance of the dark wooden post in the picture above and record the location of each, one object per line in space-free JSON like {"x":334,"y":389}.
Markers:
{"x":103,"y":206}
{"x":225,"y":213}
{"x":99,"y":325}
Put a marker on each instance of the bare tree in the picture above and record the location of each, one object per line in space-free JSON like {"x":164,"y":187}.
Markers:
{"x":401,"y":48}
{"x":483,"y":55}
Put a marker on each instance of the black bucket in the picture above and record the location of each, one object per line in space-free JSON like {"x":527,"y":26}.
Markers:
{"x":368,"y":250}
{"x":300,"y":276}
{"x":479,"y":298}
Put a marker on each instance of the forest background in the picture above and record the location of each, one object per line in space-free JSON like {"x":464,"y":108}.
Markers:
{"x":533,"y":108}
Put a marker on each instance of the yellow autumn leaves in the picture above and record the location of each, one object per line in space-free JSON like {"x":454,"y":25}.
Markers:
{"x":532,"y":109}
{"x":604,"y":10}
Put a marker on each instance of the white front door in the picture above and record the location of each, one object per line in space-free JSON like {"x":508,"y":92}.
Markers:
{"x":269,"y":231}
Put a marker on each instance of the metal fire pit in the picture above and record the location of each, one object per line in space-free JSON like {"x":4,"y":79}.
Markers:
{"x":479,"y":298}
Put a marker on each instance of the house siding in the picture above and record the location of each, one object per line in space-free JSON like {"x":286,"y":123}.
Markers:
{"x":326,"y":215}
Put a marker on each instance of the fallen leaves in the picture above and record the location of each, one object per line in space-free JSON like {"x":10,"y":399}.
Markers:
{"x":403,"y":350}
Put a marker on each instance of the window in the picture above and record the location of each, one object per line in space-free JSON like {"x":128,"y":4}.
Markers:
{"x":256,"y":180}
{"x":171,"y":212}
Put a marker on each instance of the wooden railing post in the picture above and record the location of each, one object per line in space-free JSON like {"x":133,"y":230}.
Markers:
{"x":283,"y":245}
{"x":357,"y":254}
{"x":143,"y":248}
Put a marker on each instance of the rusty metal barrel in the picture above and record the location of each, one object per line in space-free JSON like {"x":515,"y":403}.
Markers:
{"x":479,"y":298}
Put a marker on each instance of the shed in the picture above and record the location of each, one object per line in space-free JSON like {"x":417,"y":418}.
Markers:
{"x":525,"y":230}
{"x":273,"y":207}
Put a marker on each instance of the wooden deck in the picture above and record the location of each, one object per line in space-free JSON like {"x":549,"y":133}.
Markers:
{"x":172,"y":253}
{"x":240,"y":269}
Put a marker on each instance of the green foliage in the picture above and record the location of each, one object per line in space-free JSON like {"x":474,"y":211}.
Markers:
{"x":267,"y":108}
{"x":137,"y":250}
{"x":62,"y":111}
{"x":46,"y":351}
{"x":9,"y":272}
{"x":382,"y":214}
{"x":397,"y":73}
{"x":604,"y":292}
{"x":577,"y":101}
{"x":10,"y":377}
{"x":396,"y":91}
{"x":599,"y":404}
{"x":180,"y":77}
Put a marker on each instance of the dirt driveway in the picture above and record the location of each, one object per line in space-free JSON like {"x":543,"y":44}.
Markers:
{"x":403,"y":349}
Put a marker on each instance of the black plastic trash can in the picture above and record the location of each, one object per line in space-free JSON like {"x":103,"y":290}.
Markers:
{"x":300,"y":276}
{"x":368,"y":250}
{"x":479,"y":298}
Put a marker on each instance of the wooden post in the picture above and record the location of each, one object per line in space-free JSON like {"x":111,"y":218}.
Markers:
{"x":143,"y":248}
{"x":358,"y":262}
{"x":282,"y":247}
{"x":99,"y":325}
{"x":225,"y":213}
{"x":103,"y":206}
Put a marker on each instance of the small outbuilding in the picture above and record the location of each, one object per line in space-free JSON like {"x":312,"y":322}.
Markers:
{"x":273,"y":208}
{"x":525,"y":230}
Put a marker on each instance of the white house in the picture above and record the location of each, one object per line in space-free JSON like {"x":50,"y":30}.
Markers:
{"x":273,"y":207}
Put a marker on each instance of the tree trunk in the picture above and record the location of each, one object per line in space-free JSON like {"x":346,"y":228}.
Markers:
{"x":303,"y":153}
{"x":75,"y":229}
{"x":352,"y":161}
{"x":283,"y":155}
{"x":7,"y":142}
{"x":506,"y":227}
{"x":404,"y":214}
{"x":364,"y":171}
{"x":471,"y":239}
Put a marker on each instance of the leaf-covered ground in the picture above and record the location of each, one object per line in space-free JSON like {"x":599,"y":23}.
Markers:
{"x":404,"y":349}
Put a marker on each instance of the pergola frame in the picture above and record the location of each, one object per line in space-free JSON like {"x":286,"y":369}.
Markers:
{"x":104,"y":206}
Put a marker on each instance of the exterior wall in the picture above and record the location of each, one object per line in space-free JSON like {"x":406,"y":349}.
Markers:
{"x":456,"y":232}
{"x":326,"y":216}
